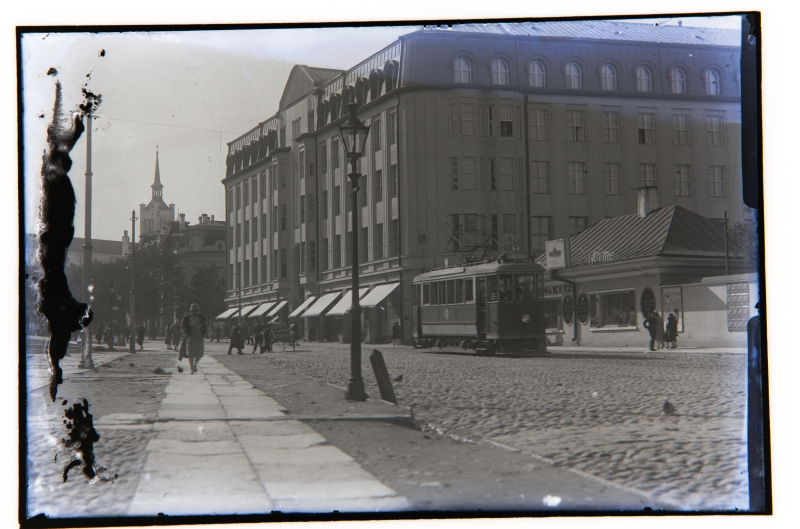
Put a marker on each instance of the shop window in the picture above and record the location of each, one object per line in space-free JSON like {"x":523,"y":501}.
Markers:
{"x":617,"y":309}
{"x":552,"y":314}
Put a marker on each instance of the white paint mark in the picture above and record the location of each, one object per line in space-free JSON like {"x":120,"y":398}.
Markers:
{"x":551,"y":501}
{"x":595,"y":394}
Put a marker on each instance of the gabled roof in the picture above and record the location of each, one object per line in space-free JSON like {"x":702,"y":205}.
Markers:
{"x":302,"y":81}
{"x":601,"y":30}
{"x":672,"y":231}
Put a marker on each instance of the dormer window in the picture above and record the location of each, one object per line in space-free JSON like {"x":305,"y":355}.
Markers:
{"x":608,"y":75}
{"x":678,"y":81}
{"x":499,"y":72}
{"x":644,"y":79}
{"x":463,"y":70}
{"x":537,"y":74}
{"x":573,"y":72}
{"x":712,"y":83}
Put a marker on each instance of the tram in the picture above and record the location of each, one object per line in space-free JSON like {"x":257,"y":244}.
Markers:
{"x":491,"y":307}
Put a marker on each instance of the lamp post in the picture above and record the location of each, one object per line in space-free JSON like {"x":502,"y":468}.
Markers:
{"x":132,"y":336}
{"x":112,"y":294}
{"x":354,"y":138}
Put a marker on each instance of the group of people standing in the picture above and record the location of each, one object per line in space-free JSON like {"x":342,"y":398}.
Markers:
{"x":661,"y":338}
{"x":259,"y":336}
{"x":107,"y":334}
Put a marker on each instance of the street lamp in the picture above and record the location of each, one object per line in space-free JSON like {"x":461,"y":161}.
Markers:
{"x":354,"y":138}
{"x":112,"y":291}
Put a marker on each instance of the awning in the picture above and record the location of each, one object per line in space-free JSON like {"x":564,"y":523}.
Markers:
{"x":262,"y":309}
{"x":248,"y":309}
{"x":322,"y":303}
{"x":378,"y":294}
{"x":302,"y":307}
{"x":227,"y":314}
{"x":277,"y":307}
{"x":343,"y":307}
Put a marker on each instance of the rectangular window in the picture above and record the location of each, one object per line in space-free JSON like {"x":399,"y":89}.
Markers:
{"x":509,"y":231}
{"x":323,"y":255}
{"x":284,"y":263}
{"x":323,"y":159}
{"x":264,"y":226}
{"x":467,"y":120}
{"x":454,"y":172}
{"x":246,"y":274}
{"x":716,"y":181}
{"x":577,"y":224}
{"x":295,"y":129}
{"x":283,"y":174}
{"x":255,"y":190}
{"x":311,"y":207}
{"x":275,"y":219}
{"x":377,"y":135}
{"x":610,"y":127}
{"x":540,"y":232}
{"x":324,"y":205}
{"x":274,"y":175}
{"x":469,"y":173}
{"x":507,"y":174}
{"x":255,"y":229}
{"x":283,"y":136}
{"x":714,"y":131}
{"x":284,"y":219}
{"x":263,"y":268}
{"x":683,"y":180}
{"x":680,"y":129}
{"x":348,"y":248}
{"x":378,"y":249}
{"x":275,"y":264}
{"x":538,"y":117}
{"x":613,"y":179}
{"x":302,"y":163}
{"x":393,"y":182}
{"x":377,"y":186}
{"x":230,"y":199}
{"x":394,"y":237}
{"x":312,"y":256}
{"x":495,"y":232}
{"x":363,"y":245}
{"x":335,"y":153}
{"x":459,"y":291}
{"x":506,"y":123}
{"x":239,"y":235}
{"x":453,"y":120}
{"x":468,"y":291}
{"x":647,"y":131}
{"x":302,"y":257}
{"x":426,"y":294}
{"x":617,"y":309}
{"x":392,"y":128}
{"x":302,"y":209}
{"x":648,"y":174}
{"x":490,"y":120}
{"x":246,"y":193}
{"x":492,"y":175}
{"x":519,"y":120}
{"x":230,"y":237}
{"x":246,"y":234}
{"x":255,"y":270}
{"x":576,"y":176}
{"x":337,"y":201}
{"x":362,"y":197}
{"x":575,"y":127}
{"x":540,"y":177}
{"x":337,"y":251}
{"x":310,"y":119}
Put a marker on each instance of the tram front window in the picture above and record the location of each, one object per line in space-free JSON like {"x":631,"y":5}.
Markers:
{"x":505,"y":287}
{"x":525,"y":287}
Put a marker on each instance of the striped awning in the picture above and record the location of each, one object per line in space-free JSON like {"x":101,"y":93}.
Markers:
{"x":378,"y":294}
{"x":227,"y":314}
{"x":277,"y":307}
{"x":322,"y":303}
{"x":302,"y":307}
{"x":262,"y":309}
{"x":248,"y":309}
{"x":343,"y":307}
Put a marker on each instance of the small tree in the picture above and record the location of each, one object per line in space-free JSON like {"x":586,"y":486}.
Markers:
{"x":743,"y":241}
{"x":208,"y":290}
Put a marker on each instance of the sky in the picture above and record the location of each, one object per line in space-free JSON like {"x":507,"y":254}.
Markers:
{"x":184,"y":93}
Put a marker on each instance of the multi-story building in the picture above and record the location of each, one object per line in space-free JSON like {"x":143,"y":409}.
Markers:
{"x":499,"y":136}
{"x":156,"y":216}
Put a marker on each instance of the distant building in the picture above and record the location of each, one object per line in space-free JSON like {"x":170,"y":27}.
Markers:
{"x":156,"y":216}
{"x":201,"y":245}
{"x":502,"y":135}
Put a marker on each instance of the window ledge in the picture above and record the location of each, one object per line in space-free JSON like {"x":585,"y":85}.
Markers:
{"x":614,"y":329}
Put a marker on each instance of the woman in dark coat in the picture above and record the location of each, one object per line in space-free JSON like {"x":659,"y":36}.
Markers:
{"x":237,"y":339}
{"x":195,"y":328}
{"x":671,"y":336}
{"x":176,"y":332}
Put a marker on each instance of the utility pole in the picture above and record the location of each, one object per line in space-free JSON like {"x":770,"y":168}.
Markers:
{"x":86,"y":352}
{"x":132,"y":348}
{"x":727,"y":253}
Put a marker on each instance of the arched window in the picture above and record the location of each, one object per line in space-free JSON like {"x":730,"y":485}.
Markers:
{"x":609,"y":77}
{"x":499,"y":72}
{"x":537,"y":76}
{"x":712,"y":83}
{"x":678,"y":81}
{"x":573,"y":76}
{"x":644,"y":79}
{"x":463,"y":70}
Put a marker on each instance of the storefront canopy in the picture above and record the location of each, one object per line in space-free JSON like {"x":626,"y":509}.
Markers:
{"x":277,"y":307}
{"x":248,"y":309}
{"x":299,"y":310}
{"x":322,"y":303}
{"x":343,"y":307}
{"x":378,"y":294}
{"x":227,"y":314}
{"x":262,"y":309}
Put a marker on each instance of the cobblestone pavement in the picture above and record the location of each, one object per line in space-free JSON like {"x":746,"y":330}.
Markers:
{"x":598,"y":412}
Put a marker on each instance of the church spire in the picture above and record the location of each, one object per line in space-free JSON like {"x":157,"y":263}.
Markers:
{"x":157,"y":187}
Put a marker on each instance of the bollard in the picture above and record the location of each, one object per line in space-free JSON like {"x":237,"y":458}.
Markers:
{"x":382,"y":375}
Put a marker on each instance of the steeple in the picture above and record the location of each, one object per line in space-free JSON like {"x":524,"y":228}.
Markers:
{"x":157,"y":187}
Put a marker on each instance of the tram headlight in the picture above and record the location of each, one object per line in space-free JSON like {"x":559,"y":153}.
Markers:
{"x":526,"y":318}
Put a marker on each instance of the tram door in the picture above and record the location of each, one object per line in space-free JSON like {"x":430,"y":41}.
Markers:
{"x":481,"y":306}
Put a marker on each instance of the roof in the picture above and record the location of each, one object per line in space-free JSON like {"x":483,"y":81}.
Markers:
{"x":600,"y":30}
{"x":489,"y":267}
{"x":302,"y":81}
{"x":672,"y":231}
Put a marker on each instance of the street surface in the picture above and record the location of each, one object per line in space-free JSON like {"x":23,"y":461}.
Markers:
{"x":574,"y":430}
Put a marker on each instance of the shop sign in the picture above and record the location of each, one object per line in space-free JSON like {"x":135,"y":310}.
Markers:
{"x":583,"y":308}
{"x":557,"y":290}
{"x":598,"y":255}
{"x":556,"y":254}
{"x":648,"y":302}
{"x":567,"y":310}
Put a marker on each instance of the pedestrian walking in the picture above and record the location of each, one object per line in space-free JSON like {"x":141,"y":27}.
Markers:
{"x":177,"y":333}
{"x":108,"y":334}
{"x":268,"y":338}
{"x":237,"y":339}
{"x":217,"y":332}
{"x":168,"y":336}
{"x":195,"y":327}
{"x":258,"y":337}
{"x":396,"y":333}
{"x":293,"y":332}
{"x":140,"y":336}
{"x":659,"y":330}
{"x":671,"y":336}
{"x":650,"y":324}
{"x":99,"y":334}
